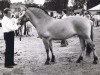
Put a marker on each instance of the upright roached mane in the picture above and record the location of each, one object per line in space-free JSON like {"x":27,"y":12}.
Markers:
{"x":50,"y":29}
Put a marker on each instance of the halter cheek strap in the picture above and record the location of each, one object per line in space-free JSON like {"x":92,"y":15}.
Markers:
{"x":23,"y":13}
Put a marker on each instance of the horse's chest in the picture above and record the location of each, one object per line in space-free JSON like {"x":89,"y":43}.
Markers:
{"x":43,"y":32}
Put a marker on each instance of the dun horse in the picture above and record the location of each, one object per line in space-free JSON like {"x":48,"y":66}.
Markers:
{"x":50,"y":29}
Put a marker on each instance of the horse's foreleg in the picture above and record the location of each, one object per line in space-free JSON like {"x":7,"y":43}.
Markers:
{"x":53,"y":56}
{"x":82,"y":43}
{"x":46,"y":44}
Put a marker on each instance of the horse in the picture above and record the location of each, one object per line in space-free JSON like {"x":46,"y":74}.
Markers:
{"x":49,"y":29}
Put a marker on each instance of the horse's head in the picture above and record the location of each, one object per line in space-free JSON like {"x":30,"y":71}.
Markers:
{"x":24,"y":19}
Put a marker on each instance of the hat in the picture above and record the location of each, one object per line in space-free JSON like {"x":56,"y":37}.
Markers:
{"x":6,"y":10}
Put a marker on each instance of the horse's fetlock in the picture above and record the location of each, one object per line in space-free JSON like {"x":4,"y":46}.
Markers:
{"x":48,"y":59}
{"x":53,"y":56}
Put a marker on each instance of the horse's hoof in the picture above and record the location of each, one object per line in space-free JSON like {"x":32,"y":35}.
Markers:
{"x":53,"y":60}
{"x":47,"y":63}
{"x":95,"y":62}
{"x":79,"y":59}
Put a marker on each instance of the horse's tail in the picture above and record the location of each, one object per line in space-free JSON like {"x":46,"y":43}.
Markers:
{"x":91,"y":32}
{"x":88,"y":48}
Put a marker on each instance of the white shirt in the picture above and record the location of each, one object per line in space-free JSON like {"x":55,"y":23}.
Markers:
{"x":64,"y":16}
{"x":15,"y":21}
{"x":8,"y":25}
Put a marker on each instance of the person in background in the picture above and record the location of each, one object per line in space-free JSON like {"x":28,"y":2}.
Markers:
{"x":8,"y":29}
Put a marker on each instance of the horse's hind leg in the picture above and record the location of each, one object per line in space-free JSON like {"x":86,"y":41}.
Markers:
{"x":94,"y":53}
{"x":95,"y":57}
{"x":82,"y":43}
{"x":46,"y":44}
{"x":53,"y":56}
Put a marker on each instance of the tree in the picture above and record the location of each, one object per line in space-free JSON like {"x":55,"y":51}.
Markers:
{"x":4,"y":4}
{"x":57,"y":5}
{"x":63,"y":4}
{"x":29,"y":1}
{"x":92,"y":3}
{"x":79,"y":4}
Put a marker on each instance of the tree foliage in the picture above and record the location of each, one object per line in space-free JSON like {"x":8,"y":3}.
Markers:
{"x":4,"y":4}
{"x":57,"y":5}
{"x":79,"y":4}
{"x":92,"y":3}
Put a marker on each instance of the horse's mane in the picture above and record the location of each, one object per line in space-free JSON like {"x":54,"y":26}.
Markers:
{"x":39,"y":7}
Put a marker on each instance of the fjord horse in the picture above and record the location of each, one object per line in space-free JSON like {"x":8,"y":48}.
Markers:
{"x":50,"y":29}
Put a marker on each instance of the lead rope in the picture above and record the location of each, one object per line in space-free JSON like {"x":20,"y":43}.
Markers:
{"x":20,"y":35}
{"x":20,"y":32}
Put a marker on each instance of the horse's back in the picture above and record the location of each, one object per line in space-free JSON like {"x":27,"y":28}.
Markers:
{"x":69,"y":26}
{"x":81,"y":25}
{"x":73,"y":22}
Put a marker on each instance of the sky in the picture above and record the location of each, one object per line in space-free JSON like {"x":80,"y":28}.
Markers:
{"x":13,"y":1}
{"x":69,"y":3}
{"x":36,"y":1}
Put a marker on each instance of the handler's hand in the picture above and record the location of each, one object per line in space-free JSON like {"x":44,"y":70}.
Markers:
{"x":19,"y":26}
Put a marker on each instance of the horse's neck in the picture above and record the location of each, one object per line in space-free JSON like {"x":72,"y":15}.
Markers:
{"x":37,"y":18}
{"x":39,"y":13}
{"x":32,"y":17}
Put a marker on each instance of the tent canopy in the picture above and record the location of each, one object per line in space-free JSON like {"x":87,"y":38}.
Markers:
{"x":96,"y":8}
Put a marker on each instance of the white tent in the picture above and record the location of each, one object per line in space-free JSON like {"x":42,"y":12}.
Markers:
{"x":96,"y":8}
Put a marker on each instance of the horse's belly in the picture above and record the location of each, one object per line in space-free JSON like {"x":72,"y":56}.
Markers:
{"x":64,"y":35}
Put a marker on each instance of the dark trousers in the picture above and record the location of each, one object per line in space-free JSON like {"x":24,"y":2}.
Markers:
{"x":9,"y":51}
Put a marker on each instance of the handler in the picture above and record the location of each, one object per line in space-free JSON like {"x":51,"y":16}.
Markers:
{"x":8,"y":28}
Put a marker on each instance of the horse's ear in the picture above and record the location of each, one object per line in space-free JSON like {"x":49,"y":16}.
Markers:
{"x":27,"y":5}
{"x":24,"y":8}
